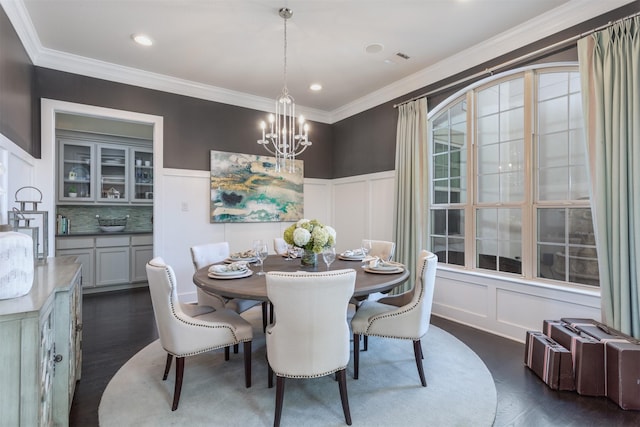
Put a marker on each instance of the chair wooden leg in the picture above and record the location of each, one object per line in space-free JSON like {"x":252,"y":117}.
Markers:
{"x":270,"y":312}
{"x":235,"y":349}
{"x":279,"y":399}
{"x":178,"y":386}
{"x":417,"y":351}
{"x":247,"y":364}
{"x":269,"y":376}
{"x":168,"y":366}
{"x":366,"y":343}
{"x":342,"y":384}
{"x":226,"y":353}
{"x":356,"y":355}
{"x":264,"y":316}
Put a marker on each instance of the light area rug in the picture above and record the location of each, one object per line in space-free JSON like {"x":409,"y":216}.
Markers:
{"x":460,"y":389}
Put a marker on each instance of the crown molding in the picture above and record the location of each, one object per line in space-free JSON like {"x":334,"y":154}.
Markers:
{"x":572,"y":13}
{"x":547,"y":24}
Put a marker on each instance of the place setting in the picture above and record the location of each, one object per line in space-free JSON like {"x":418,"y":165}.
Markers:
{"x":234,"y":270}
{"x":243,"y":256}
{"x":380,"y":266}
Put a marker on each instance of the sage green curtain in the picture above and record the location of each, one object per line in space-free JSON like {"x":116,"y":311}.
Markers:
{"x":610,"y":76}
{"x":411,"y":190}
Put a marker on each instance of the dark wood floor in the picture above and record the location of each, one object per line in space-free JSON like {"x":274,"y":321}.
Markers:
{"x":118,"y":324}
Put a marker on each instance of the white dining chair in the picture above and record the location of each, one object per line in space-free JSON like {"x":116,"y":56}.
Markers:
{"x":310,"y":336}
{"x":280,"y":246}
{"x":404,"y":316}
{"x":211,"y":253}
{"x":383,"y":249}
{"x":187,"y":329}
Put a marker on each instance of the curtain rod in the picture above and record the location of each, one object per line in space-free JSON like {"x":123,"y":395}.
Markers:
{"x":551,"y":48}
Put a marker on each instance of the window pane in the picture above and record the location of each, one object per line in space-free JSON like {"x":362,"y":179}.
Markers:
{"x":512,"y":94}
{"x":438,"y":221}
{"x":487,"y":251}
{"x":551,"y":262}
{"x":511,"y":187}
{"x":578,"y":147}
{"x":553,"y":184}
{"x":551,"y":225}
{"x":488,"y":130}
{"x":510,"y":257}
{"x":511,"y":156}
{"x":489,"y":188}
{"x":455,"y":255}
{"x":510,"y":225}
{"x":579,"y":183}
{"x":488,"y":101}
{"x":488,"y":159}
{"x":439,"y":247}
{"x":575,"y":111}
{"x":553,"y":150}
{"x":486,"y":223}
{"x":583,"y":266}
{"x":553,"y":116}
{"x":512,"y":125}
{"x":447,"y":235}
{"x":552,"y":85}
{"x":441,"y":166}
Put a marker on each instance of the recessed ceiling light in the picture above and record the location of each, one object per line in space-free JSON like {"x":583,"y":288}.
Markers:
{"x":315,"y":87}
{"x":374,"y":48}
{"x":142,"y":39}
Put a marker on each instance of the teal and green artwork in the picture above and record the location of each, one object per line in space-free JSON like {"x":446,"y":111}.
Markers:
{"x":248,"y":188}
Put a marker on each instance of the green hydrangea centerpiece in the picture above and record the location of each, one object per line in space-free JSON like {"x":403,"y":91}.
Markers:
{"x":310,"y":235}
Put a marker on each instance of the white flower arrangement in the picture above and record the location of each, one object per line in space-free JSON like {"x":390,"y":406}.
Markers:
{"x":310,"y":235}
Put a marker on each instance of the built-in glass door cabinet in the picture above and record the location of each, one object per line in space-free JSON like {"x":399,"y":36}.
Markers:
{"x":141,"y":160}
{"x":76,"y":182}
{"x":112,"y":176}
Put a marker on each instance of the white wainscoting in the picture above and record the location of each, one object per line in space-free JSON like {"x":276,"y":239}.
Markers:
{"x":18,"y":171}
{"x":506,"y":306}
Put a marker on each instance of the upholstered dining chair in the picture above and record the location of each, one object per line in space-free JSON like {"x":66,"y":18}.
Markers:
{"x":382,"y":249}
{"x":187,"y":330}
{"x":211,"y":253}
{"x":280,"y":246}
{"x":310,"y":336}
{"x":403,"y":316}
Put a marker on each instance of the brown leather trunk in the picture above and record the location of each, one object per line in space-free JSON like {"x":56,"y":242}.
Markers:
{"x":549,"y":360}
{"x":623,"y":374}
{"x":587,"y":354}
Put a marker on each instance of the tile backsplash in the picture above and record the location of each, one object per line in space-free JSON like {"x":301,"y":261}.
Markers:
{"x":83,"y":219}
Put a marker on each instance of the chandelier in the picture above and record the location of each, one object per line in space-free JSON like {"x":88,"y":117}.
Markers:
{"x":285,"y":138}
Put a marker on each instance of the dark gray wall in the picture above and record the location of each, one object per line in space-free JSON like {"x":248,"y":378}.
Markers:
{"x":192,"y":127}
{"x":16,"y":89}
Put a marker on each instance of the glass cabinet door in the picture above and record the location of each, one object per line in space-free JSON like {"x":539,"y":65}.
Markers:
{"x":112,"y":173}
{"x":142,"y":168}
{"x":76,"y":180}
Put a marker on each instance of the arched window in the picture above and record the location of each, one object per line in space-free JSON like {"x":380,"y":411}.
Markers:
{"x":509,"y":179}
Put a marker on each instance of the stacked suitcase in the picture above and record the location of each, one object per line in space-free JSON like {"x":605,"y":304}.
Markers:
{"x":587,"y":356}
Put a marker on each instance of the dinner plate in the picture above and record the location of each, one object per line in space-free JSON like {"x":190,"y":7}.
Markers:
{"x":230,"y":276}
{"x":229,"y":272}
{"x":351,"y":258}
{"x":385,"y":271}
{"x":236,"y":259}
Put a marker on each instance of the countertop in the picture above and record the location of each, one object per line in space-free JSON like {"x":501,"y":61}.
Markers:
{"x":105,"y":233}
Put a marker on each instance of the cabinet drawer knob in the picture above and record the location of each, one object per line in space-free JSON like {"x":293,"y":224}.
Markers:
{"x":57,"y":358}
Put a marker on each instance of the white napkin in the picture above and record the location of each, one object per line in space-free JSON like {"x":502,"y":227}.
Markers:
{"x":380,"y":264}
{"x":246,"y":254}
{"x":227,"y":268}
{"x":353,"y":252}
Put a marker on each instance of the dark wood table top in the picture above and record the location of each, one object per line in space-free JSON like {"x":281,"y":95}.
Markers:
{"x":255,"y":287}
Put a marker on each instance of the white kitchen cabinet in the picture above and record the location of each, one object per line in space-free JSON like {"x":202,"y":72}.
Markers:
{"x":76,"y":178}
{"x":41,"y":335}
{"x":141,"y":254}
{"x":112,"y":260}
{"x":113,"y":173}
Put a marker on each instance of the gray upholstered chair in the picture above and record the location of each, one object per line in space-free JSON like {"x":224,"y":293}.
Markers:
{"x":382,"y":249}
{"x":404,"y":316}
{"x":310,"y":336}
{"x":211,"y":253}
{"x":187,"y":330}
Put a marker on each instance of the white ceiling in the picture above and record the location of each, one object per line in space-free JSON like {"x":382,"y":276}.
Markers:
{"x":232,"y":50}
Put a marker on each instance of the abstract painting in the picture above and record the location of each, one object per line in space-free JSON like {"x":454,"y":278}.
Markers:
{"x":247,"y":188}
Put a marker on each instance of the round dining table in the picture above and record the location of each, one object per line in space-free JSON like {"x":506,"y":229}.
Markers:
{"x":254,"y":287}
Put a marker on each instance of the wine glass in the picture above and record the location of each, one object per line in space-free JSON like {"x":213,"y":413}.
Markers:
{"x":329,"y":255}
{"x":256,"y":248}
{"x":262,"y":251}
{"x":366,"y":248}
